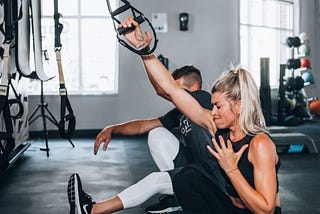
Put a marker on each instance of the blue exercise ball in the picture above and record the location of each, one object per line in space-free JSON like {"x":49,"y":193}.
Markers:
{"x":307,"y":77}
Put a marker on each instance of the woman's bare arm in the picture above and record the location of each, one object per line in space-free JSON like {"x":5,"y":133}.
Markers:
{"x":163,"y":82}
{"x":180,"y":98}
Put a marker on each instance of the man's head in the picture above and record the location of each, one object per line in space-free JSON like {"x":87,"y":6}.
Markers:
{"x":188,"y":77}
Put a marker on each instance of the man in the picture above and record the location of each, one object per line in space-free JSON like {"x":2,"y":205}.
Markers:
{"x":196,"y":137}
{"x":165,"y":140}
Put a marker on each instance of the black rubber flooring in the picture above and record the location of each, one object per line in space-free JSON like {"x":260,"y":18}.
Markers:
{"x":37,"y":184}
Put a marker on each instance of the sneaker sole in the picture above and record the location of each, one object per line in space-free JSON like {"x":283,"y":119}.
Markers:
{"x":76,"y":191}
{"x":167,"y":210}
{"x":71,"y":194}
{"x":73,"y":191}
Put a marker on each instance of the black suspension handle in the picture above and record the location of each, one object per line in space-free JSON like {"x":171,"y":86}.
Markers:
{"x":122,"y":30}
{"x":139,"y":18}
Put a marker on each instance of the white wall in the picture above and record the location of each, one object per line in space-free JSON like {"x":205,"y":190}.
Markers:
{"x":210,"y":44}
{"x":310,"y":23}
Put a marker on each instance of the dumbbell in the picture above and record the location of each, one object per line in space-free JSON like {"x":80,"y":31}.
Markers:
{"x":298,"y":83}
{"x":293,"y":41}
{"x":290,"y":84}
{"x":293,"y":63}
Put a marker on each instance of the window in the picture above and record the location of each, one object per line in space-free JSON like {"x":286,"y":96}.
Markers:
{"x":264,"y":27}
{"x":89,"y":48}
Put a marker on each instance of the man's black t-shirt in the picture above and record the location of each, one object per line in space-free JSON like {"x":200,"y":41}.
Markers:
{"x":173,"y":119}
{"x":191,"y":150}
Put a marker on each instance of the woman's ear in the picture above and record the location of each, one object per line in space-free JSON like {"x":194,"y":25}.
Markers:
{"x":238,"y":106}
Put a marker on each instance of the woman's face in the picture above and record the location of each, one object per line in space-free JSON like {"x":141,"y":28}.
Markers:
{"x":225,"y":111}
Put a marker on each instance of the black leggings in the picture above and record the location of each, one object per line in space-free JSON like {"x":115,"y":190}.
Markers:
{"x":197,"y":194}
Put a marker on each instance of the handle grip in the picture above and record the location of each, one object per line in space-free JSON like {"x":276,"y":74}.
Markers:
{"x":123,"y":30}
{"x":120,"y":10}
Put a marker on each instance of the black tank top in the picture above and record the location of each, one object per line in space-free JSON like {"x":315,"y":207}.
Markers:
{"x":245,"y":167}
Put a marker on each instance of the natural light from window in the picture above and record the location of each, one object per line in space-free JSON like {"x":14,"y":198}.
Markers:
{"x":89,"y":48}
{"x":264,"y":27}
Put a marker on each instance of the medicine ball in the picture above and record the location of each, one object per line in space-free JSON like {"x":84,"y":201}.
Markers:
{"x":304,"y":50}
{"x":314,"y":107}
{"x":307,"y":77}
{"x":303,"y":37}
{"x":305,"y":63}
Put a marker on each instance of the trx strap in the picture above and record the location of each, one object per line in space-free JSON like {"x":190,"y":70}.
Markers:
{"x":16,"y":101}
{"x":37,"y":40}
{"x":9,"y":144}
{"x":138,"y":17}
{"x":22,"y":42}
{"x":4,"y":106}
{"x":65,"y":104}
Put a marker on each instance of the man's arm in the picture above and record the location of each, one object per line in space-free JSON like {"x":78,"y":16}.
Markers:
{"x":133,"y":127}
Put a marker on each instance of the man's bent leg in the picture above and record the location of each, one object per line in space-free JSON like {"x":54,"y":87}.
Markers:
{"x":164,"y":147}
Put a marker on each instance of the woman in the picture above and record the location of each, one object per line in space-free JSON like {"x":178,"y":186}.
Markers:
{"x":242,"y":146}
{"x":244,"y":151}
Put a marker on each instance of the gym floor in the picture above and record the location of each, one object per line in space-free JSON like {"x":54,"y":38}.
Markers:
{"x":37,"y":184}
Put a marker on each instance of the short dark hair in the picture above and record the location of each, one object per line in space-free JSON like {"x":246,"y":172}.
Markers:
{"x":190,"y":73}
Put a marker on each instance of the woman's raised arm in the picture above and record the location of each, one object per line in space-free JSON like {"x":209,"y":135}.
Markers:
{"x":160,"y":77}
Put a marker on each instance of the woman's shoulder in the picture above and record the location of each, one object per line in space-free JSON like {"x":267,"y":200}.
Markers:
{"x":262,"y":141}
{"x":262,"y":148}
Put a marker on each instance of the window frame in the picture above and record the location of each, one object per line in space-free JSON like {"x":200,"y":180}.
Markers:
{"x":52,"y":88}
{"x":278,"y":30}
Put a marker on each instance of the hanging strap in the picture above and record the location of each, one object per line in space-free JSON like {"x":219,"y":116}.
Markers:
{"x":4,"y":82}
{"x":16,"y":101}
{"x":4,"y":86}
{"x":65,"y":105}
{"x":138,"y":17}
{"x":8,"y":17}
{"x":9,"y":144}
{"x":7,"y":148}
{"x":22,"y":41}
{"x":37,"y":40}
